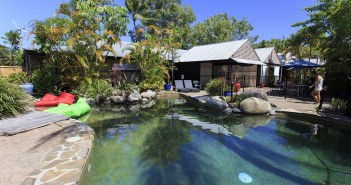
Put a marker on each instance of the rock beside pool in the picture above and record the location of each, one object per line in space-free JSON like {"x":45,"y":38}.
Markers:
{"x":117,"y":99}
{"x":148,"y":94}
{"x":215,"y":104}
{"x":134,"y":96}
{"x":236,"y":110}
{"x":258,"y":93}
{"x":227,"y":110}
{"x":116,"y":92}
{"x":255,"y":106}
{"x":91,"y":101}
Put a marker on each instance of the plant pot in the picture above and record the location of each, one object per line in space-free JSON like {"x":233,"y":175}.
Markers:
{"x":27,"y":87}
{"x":261,"y":85}
{"x":236,"y":87}
{"x":167,"y":87}
{"x":227,"y":93}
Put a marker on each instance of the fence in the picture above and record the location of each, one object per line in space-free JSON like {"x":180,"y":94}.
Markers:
{"x":7,"y":70}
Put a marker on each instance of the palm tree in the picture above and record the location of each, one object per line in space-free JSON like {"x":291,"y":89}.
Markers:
{"x":135,"y":10}
{"x":294,"y":44}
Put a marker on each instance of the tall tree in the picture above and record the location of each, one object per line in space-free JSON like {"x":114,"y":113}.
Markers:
{"x":331,"y":17}
{"x":220,"y":28}
{"x":11,"y":53}
{"x":135,"y":10}
{"x":87,"y":27}
{"x":165,"y":14}
{"x":278,"y":44}
{"x":295,"y":45}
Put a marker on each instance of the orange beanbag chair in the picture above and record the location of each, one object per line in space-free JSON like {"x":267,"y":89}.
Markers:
{"x":50,"y":100}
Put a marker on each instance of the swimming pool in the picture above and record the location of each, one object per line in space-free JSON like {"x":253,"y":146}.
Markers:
{"x":173,"y":143}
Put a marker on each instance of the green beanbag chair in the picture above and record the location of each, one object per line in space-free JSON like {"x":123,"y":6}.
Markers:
{"x":75,"y":110}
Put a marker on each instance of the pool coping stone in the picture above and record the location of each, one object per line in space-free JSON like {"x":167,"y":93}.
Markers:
{"x":66,"y":162}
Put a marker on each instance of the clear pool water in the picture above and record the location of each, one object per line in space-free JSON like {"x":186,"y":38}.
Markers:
{"x":172,"y":143}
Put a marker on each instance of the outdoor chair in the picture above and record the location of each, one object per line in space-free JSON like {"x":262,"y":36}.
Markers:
{"x":180,"y":86}
{"x":189,"y":85}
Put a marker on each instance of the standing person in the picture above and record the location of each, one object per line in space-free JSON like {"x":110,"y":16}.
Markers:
{"x":318,"y":85}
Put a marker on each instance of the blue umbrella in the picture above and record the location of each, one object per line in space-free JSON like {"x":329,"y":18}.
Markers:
{"x":301,"y":64}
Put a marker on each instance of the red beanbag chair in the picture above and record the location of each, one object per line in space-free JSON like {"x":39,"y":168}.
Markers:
{"x":52,"y":100}
{"x":65,"y":98}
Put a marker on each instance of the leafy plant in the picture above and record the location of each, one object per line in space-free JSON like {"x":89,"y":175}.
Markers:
{"x":239,"y":98}
{"x":100,"y":88}
{"x":18,"y":78}
{"x":338,"y":105}
{"x":11,"y":54}
{"x":149,"y":55}
{"x":215,"y":86}
{"x":87,"y":27}
{"x":46,"y":81}
{"x":13,"y":100}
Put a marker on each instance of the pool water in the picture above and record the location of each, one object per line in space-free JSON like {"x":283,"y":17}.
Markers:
{"x":172,"y":143}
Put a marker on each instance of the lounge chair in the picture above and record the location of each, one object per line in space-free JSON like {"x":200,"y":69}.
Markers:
{"x":180,"y":86}
{"x":189,"y":85}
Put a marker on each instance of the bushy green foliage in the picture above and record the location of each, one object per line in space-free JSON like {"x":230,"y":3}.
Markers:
{"x":98,"y":88}
{"x":338,"y":105}
{"x":215,"y":87}
{"x":13,"y":100}
{"x":149,"y":55}
{"x":46,"y":81}
{"x":18,"y":78}
{"x":239,"y":98}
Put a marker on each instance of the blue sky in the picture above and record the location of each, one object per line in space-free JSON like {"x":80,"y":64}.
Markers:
{"x":270,"y":18}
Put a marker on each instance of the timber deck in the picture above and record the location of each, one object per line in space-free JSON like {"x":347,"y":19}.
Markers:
{"x":28,"y":121}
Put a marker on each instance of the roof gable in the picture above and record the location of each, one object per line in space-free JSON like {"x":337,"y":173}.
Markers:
{"x":268,"y":55}
{"x":246,"y":51}
{"x":218,"y":51}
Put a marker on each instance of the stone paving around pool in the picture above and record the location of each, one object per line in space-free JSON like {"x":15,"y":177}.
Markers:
{"x":65,"y":164}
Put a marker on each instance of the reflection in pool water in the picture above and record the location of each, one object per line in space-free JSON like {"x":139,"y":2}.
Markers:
{"x":172,"y":143}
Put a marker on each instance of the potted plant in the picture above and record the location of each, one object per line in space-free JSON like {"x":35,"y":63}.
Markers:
{"x":236,"y":77}
{"x":167,"y":86}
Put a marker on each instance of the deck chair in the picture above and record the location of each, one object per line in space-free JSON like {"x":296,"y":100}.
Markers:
{"x":180,"y":86}
{"x":189,"y":85}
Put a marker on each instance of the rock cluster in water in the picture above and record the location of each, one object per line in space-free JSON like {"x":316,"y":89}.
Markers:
{"x":256,"y":102}
{"x":122,"y":96}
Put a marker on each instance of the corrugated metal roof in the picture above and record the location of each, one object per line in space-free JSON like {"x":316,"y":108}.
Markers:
{"x":121,"y":50}
{"x":263,"y":53}
{"x":218,"y":51}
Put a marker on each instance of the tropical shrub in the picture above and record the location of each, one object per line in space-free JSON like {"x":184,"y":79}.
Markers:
{"x":153,"y":70}
{"x":46,"y":81}
{"x":215,"y":86}
{"x":18,"y":78}
{"x":100,"y":88}
{"x":13,"y":100}
{"x":338,"y":105}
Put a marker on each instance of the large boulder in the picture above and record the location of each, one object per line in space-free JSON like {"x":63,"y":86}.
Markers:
{"x":134,"y":96}
{"x":255,"y":106}
{"x":117,"y":99}
{"x":148,"y":94}
{"x":258,"y":93}
{"x":215,"y":104}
